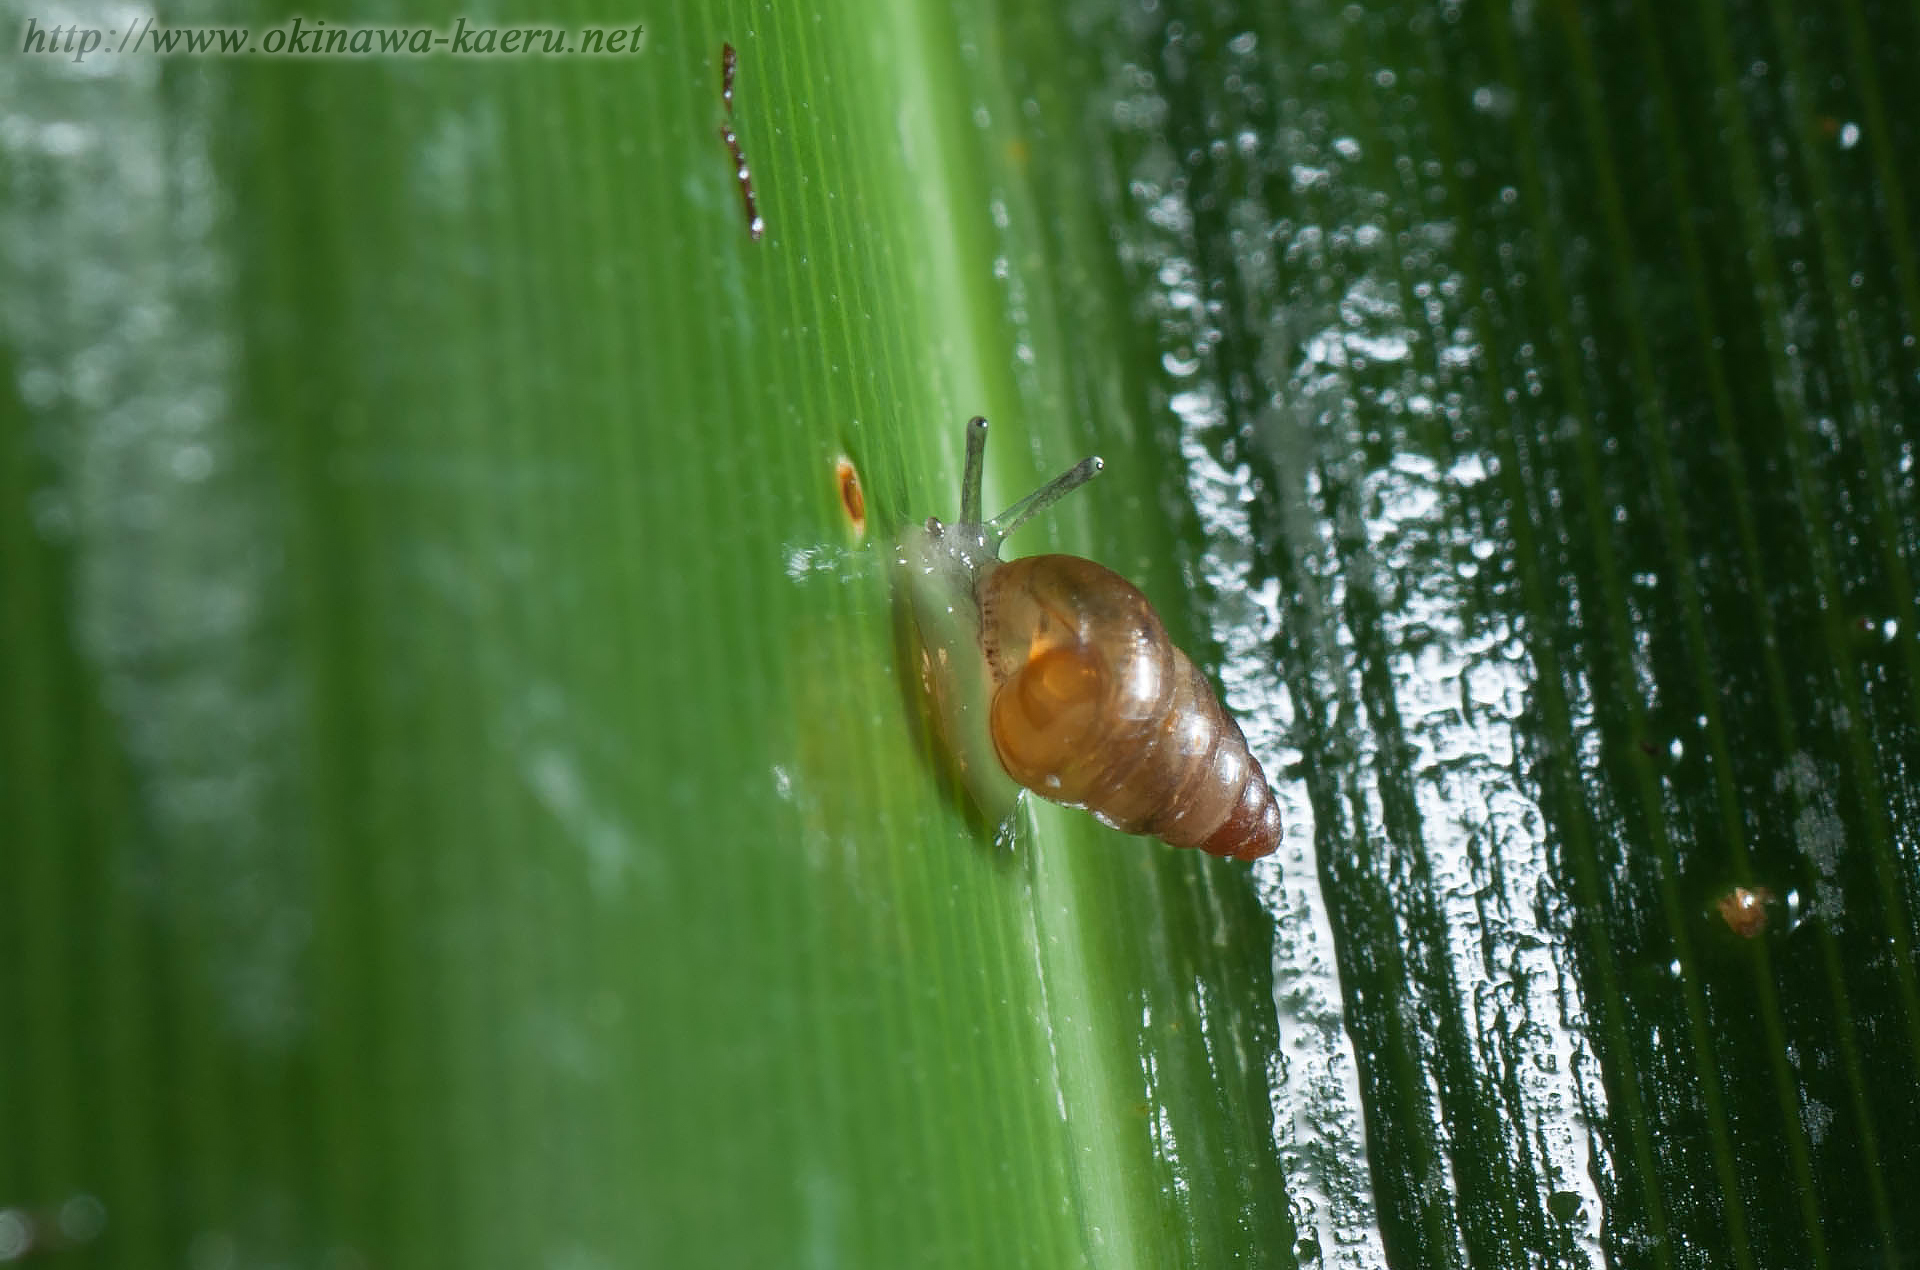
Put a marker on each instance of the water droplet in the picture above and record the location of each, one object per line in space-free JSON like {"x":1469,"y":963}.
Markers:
{"x":193,"y":463}
{"x":82,"y":1218}
{"x":16,"y":1234}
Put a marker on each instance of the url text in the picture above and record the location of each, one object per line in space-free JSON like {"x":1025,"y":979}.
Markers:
{"x":302,"y":38}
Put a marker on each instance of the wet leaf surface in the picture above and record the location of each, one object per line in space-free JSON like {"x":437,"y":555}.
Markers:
{"x":465,"y":793}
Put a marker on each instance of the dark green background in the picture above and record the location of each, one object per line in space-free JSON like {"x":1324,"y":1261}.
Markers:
{"x":463,"y":799}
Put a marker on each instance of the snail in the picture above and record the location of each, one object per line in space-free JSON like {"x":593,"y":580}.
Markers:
{"x":1053,"y":674}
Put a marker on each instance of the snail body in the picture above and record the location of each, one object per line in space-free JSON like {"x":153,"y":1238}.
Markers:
{"x":1054,"y":674}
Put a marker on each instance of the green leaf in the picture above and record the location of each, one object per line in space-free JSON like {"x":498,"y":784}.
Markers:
{"x":465,"y":790}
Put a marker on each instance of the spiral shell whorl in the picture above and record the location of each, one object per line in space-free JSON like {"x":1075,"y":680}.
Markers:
{"x":1093,"y":706}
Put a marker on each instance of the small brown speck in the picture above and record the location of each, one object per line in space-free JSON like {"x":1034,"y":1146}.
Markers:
{"x":1744,"y":910}
{"x":851,"y":497}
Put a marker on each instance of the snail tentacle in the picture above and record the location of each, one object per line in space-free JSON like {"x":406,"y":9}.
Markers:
{"x":1003,"y":525}
{"x":974,"y":475}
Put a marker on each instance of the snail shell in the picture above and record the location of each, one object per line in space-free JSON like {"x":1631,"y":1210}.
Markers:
{"x":1055,"y":672}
